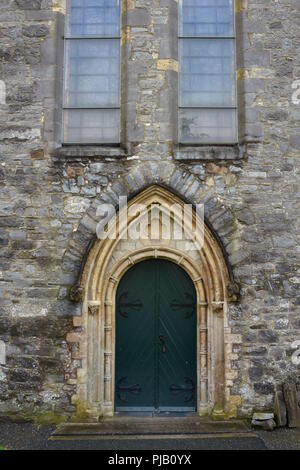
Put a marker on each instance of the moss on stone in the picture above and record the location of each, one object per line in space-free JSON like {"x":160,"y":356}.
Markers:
{"x":82,"y":413}
{"x":41,"y":418}
{"x":49,"y":417}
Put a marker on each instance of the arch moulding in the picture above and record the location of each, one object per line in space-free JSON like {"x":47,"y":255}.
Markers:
{"x":107,"y":262}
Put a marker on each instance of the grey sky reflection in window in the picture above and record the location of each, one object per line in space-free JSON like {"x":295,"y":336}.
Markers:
{"x":92,"y":72}
{"x":207,"y":73}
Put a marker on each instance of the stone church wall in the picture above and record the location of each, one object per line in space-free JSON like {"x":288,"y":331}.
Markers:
{"x":250,"y":191}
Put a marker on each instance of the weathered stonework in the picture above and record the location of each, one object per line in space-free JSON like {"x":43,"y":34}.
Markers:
{"x":49,"y":195}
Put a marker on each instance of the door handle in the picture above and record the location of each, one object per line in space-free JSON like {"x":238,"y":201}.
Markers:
{"x":162,"y":344}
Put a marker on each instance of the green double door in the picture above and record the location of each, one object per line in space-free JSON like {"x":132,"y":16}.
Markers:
{"x":156,"y":324}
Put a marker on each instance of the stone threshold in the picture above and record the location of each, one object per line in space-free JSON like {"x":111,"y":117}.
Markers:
{"x":157,"y":427}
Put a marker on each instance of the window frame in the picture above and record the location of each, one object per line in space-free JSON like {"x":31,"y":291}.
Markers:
{"x":65,"y":108}
{"x":229,"y":37}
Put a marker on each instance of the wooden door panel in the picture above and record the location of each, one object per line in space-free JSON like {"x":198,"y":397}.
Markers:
{"x":178,"y":324}
{"x":156,"y":323}
{"x":135,"y":322}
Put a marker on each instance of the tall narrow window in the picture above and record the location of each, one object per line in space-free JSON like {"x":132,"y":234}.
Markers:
{"x":207,"y":80}
{"x":92,"y":72}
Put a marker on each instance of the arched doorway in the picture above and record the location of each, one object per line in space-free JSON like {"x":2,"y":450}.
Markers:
{"x":156,"y":339}
{"x":108,"y":261}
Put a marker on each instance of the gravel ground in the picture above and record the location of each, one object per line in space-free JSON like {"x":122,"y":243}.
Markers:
{"x":27,"y":436}
{"x":281,"y":439}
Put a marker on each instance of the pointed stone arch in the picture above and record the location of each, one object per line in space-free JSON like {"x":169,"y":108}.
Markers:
{"x":107,"y":262}
{"x":176,"y":179}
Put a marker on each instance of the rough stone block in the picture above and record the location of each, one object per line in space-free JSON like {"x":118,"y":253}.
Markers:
{"x":138,"y":17}
{"x":29,"y":4}
{"x":266,"y":425}
{"x":280,"y":410}
{"x":290,"y":397}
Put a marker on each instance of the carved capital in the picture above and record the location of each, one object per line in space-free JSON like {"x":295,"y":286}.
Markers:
{"x":93,"y":310}
{"x":217,"y":308}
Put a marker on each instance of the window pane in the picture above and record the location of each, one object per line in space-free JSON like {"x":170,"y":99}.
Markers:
{"x":207,"y":17}
{"x":93,"y":18}
{"x":207,"y":126}
{"x":92,"y":126}
{"x":207,"y":72}
{"x":93,"y":73}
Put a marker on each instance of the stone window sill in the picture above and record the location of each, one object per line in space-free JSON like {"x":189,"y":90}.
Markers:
{"x":79,"y":151}
{"x":209,"y":152}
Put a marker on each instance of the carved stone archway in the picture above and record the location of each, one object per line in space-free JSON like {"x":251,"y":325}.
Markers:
{"x":107,"y":262}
